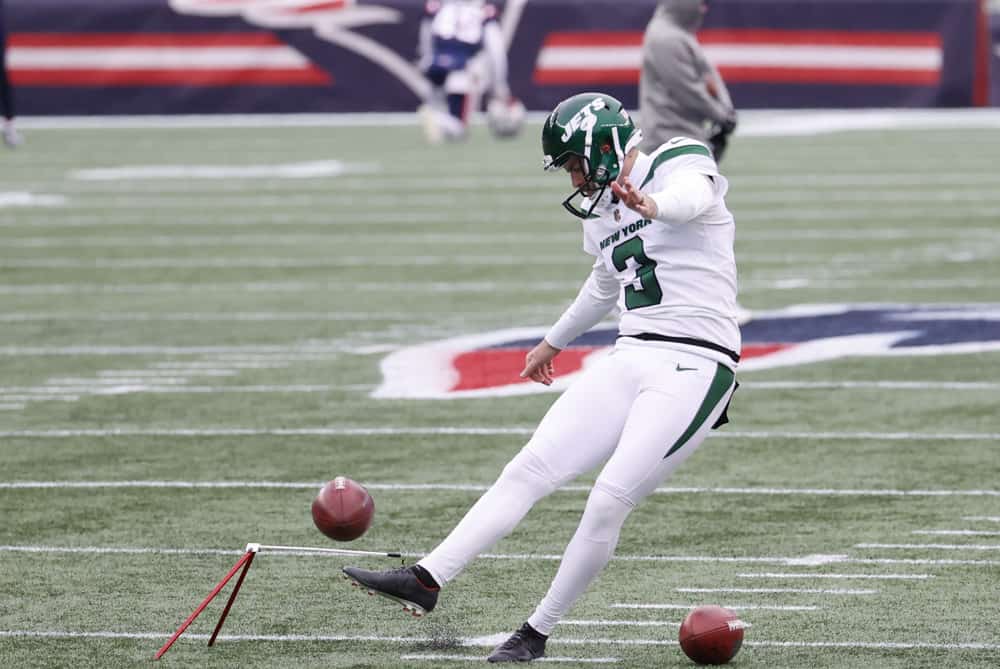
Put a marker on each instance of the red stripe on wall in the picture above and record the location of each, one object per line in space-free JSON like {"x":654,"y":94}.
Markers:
{"x":785,"y":75}
{"x":820,"y":38}
{"x":99,"y":40}
{"x":185,"y":77}
{"x":551,"y":76}
{"x":806,"y":75}
{"x":604,"y":38}
{"x":753,"y":36}
{"x":981,"y":69}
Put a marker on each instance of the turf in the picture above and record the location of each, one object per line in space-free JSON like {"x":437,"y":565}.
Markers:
{"x":308,"y":282}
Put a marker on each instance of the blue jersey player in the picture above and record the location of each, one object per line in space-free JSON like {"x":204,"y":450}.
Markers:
{"x":463,"y":55}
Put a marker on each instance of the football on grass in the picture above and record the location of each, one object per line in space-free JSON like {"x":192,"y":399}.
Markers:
{"x":343,"y":509}
{"x":711,"y":634}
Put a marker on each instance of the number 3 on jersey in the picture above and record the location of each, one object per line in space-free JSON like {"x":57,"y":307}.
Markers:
{"x":650,"y":292}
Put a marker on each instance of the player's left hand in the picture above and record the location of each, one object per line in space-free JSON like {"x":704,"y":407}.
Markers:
{"x":538,"y":363}
{"x":635,"y":199}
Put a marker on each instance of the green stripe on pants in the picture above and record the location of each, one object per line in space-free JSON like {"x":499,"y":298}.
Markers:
{"x":721,"y":383}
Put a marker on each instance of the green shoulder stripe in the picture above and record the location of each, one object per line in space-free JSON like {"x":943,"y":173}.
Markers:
{"x":673,"y":153}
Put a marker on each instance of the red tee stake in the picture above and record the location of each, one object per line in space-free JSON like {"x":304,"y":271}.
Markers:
{"x":232,"y":598}
{"x":247,"y":557}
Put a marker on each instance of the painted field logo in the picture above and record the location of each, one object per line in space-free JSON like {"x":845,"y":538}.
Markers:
{"x":487,"y":365}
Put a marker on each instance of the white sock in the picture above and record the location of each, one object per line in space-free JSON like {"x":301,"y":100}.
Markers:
{"x":588,"y":552}
{"x":524,"y":481}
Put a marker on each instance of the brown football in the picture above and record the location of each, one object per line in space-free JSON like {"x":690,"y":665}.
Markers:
{"x":711,"y":634}
{"x":343,"y":509}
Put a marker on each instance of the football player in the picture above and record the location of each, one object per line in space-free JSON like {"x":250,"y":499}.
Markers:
{"x":662,"y":238}
{"x":462,"y":53}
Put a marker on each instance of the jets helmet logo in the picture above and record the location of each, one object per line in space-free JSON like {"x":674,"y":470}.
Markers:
{"x":584,"y":120}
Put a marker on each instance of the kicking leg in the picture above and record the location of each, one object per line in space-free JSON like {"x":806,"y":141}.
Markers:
{"x":577,"y":433}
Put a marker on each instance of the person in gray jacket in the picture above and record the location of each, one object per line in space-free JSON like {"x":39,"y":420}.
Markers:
{"x":681,"y":94}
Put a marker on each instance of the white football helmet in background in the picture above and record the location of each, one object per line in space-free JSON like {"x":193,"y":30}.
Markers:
{"x":505,"y":116}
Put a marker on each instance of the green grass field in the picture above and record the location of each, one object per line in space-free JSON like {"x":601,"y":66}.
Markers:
{"x":181,"y":332}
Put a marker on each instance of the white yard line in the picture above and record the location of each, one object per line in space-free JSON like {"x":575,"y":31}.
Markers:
{"x":787,"y":262}
{"x":481,"y":641}
{"x":117,"y":550}
{"x":280,"y":432}
{"x":457,"y":287}
{"x":619,"y":623}
{"x":466,"y":431}
{"x":194,"y":367}
{"x":60,"y":634}
{"x":784,"y":561}
{"x":922,"y":562}
{"x":263,"y":317}
{"x":905,"y":196}
{"x":100,"y":386}
{"x":11,"y":406}
{"x":876,"y":645}
{"x":435,"y":202}
{"x":433,"y":287}
{"x":314,"y":177}
{"x":877,"y":577}
{"x":482,"y":487}
{"x":97,"y":349}
{"x":737,"y":607}
{"x":943,"y":547}
{"x":157,"y":382}
{"x":986,"y":519}
{"x":154,"y":374}
{"x":145,"y":241}
{"x":394,"y":217}
{"x":330,"y":199}
{"x":750,"y":384}
{"x":48,"y":397}
{"x":284,"y":263}
{"x":958,"y":533}
{"x":82,"y":386}
{"x":178,"y":179}
{"x":824,"y":283}
{"x":439,"y":657}
{"x":794,"y":591}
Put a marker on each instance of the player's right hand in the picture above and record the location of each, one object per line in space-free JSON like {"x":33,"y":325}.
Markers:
{"x":538,"y":363}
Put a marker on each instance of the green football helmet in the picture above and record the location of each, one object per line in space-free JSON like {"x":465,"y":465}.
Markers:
{"x":595,"y":128}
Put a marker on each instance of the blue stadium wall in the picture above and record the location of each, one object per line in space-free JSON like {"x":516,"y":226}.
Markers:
{"x":207,"y":56}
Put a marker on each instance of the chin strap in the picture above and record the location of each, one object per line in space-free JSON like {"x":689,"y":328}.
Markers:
{"x":603,"y":198}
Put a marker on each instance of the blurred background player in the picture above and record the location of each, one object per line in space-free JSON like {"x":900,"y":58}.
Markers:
{"x":10,"y":134}
{"x":462,"y":53}
{"x":681,"y":94}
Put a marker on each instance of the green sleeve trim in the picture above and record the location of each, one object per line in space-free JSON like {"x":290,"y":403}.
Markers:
{"x":673,"y":153}
{"x":721,"y":383}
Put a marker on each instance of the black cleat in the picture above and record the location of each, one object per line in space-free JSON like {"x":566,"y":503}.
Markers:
{"x":523,"y":645}
{"x":400,"y":585}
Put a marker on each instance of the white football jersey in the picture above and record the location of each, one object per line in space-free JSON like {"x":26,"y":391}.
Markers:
{"x":676,"y":280}
{"x":461,"y":20}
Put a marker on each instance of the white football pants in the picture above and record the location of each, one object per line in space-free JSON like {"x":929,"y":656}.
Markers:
{"x":642,"y":410}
